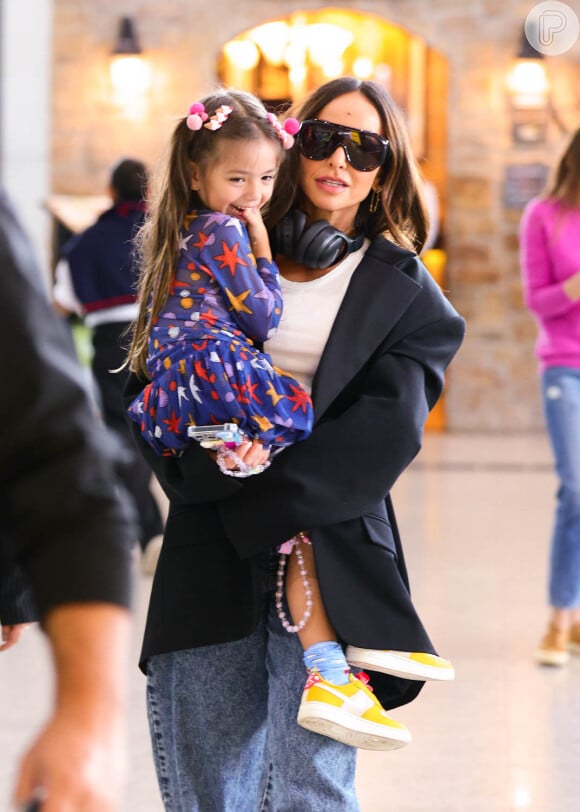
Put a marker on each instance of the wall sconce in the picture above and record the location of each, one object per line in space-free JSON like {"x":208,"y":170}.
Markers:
{"x":528,"y":90}
{"x":527,"y":82}
{"x":531,"y":103}
{"x":130,"y":72}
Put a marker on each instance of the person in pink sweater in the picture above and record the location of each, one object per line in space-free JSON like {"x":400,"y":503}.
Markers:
{"x":550,"y":264}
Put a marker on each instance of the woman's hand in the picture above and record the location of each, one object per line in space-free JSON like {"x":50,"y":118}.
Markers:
{"x":12,"y":634}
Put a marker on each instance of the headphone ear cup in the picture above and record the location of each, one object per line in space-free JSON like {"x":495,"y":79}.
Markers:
{"x":317,"y":246}
{"x":289,"y":230}
{"x":320,"y":246}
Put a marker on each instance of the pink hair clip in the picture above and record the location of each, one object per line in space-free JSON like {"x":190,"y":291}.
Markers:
{"x":197,"y":116}
{"x":286,"y":131}
{"x":218,"y":118}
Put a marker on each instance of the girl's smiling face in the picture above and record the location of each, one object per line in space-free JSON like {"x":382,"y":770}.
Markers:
{"x":239,"y":176}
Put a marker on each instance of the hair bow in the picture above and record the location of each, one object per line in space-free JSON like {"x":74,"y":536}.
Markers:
{"x":285,"y":131}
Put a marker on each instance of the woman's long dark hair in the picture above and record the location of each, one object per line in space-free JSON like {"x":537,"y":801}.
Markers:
{"x":403,"y":215}
{"x":565,"y":183}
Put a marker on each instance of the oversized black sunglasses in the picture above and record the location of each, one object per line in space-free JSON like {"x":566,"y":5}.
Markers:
{"x":364,"y":150}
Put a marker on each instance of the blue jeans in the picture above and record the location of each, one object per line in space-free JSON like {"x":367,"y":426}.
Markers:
{"x":224,"y":732}
{"x":561,"y":398}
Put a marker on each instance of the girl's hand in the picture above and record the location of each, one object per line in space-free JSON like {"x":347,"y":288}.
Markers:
{"x":251,"y":452}
{"x":257,"y":233}
{"x":252,"y":219}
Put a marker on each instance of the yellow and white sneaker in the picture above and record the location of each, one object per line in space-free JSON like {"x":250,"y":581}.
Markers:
{"x":407,"y":664}
{"x":349,"y":713}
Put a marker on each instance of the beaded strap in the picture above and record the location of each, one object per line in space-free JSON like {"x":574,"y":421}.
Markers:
{"x":242,"y":468}
{"x":280,"y":587}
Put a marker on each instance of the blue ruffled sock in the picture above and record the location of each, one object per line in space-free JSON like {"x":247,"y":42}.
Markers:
{"x":329,"y":660}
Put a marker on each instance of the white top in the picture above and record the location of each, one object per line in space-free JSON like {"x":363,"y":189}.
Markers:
{"x":310,"y":309}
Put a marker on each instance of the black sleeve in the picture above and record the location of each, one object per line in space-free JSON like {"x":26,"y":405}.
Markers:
{"x":16,"y":601}
{"x":352,"y":460}
{"x":355,"y":453}
{"x":58,"y":503}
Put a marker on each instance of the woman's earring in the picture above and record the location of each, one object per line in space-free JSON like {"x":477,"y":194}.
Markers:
{"x":375,"y":199}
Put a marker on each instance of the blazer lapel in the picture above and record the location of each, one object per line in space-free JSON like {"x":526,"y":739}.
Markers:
{"x":377,"y":295}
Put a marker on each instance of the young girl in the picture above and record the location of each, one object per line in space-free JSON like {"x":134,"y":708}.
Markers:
{"x":212,"y":289}
{"x":207,"y":292}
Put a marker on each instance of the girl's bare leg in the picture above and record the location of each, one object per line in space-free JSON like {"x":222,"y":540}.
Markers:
{"x":318,"y":628}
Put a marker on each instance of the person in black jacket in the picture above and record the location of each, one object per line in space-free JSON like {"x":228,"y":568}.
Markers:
{"x":96,"y":279}
{"x":370,"y":332}
{"x":65,"y":538}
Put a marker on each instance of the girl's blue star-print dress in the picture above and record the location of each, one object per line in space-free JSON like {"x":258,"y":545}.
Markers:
{"x":203,"y":364}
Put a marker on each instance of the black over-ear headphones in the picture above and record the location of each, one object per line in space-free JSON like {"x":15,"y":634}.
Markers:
{"x":316,"y":246}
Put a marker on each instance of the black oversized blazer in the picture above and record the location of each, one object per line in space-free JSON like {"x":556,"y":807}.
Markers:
{"x":379,"y":375}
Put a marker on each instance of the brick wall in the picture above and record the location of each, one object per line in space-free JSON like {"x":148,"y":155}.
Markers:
{"x":492,"y":384}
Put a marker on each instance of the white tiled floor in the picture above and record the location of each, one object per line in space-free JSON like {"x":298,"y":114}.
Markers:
{"x":475,"y":513}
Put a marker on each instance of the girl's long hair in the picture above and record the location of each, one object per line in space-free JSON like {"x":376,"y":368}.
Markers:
{"x":157,"y":243}
{"x":402,"y":217}
{"x":564,"y":185}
